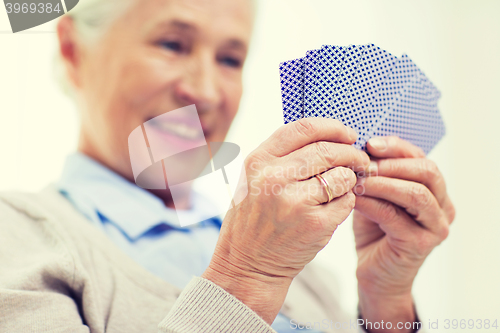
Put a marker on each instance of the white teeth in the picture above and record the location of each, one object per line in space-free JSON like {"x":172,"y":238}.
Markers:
{"x":180,"y":130}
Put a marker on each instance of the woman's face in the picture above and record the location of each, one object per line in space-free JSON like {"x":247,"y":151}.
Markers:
{"x":159,"y":56}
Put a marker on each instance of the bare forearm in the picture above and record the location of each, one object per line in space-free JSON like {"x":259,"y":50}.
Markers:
{"x":395,"y":312}
{"x":264,"y":297}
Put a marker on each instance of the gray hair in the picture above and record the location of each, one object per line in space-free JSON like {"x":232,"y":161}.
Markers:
{"x":91,"y":18}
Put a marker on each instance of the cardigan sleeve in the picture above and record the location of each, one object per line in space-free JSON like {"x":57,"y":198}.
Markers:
{"x":205,"y":307}
{"x":46,"y":285}
{"x":35,"y":278}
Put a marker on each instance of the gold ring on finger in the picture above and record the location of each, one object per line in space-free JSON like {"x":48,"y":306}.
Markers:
{"x":326,"y":186}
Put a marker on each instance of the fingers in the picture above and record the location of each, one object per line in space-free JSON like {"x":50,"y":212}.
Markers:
{"x":305,"y":131}
{"x":392,"y":147}
{"x":418,"y":170}
{"x":340,"y":181}
{"x":318,"y":157}
{"x":399,"y":226}
{"x":337,"y":211}
{"x":391,"y":219}
{"x":415,"y":198}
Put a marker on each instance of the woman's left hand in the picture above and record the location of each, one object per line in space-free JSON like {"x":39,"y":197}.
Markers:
{"x":401,"y":214}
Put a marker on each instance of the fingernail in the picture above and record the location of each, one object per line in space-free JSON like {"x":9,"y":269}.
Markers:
{"x":372,"y":168}
{"x":352,"y":133}
{"x":366,"y":159}
{"x":378,"y":143}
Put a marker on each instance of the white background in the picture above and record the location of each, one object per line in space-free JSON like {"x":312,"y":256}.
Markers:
{"x":455,"y":42}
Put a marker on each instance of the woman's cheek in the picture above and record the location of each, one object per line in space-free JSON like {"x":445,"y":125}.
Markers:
{"x":146,"y":79}
{"x":233,"y":89}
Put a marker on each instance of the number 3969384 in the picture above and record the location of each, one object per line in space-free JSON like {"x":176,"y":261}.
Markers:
{"x":33,"y":8}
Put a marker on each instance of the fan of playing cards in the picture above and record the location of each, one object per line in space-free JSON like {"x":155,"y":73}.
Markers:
{"x":365,"y":88}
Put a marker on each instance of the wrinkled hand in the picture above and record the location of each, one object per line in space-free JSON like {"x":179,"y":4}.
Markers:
{"x":268,"y":238}
{"x":402,"y":215}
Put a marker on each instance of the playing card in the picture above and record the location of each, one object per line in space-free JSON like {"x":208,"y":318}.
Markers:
{"x":310,"y":75}
{"x":357,"y":112}
{"x":349,"y":69}
{"x":329,"y":67}
{"x":414,"y":116}
{"x":344,"y":112}
{"x":365,"y":88}
{"x":292,"y":89}
{"x":401,"y":72}
{"x":377,"y":70}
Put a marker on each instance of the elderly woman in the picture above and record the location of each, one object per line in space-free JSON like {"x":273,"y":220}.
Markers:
{"x":96,"y":253}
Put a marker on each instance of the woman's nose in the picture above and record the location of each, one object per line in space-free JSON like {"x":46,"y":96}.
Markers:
{"x":199,"y":84}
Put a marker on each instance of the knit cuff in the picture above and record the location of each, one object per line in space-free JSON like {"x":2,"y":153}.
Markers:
{"x":203,"y":306}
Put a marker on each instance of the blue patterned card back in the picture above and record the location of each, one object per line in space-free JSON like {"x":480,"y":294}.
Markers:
{"x":310,"y":78}
{"x":415,"y":116}
{"x":292,"y":89}
{"x":378,"y":69}
{"x":383,"y":102}
{"x":349,"y":69}
{"x":329,"y":67}
{"x":357,"y":111}
{"x":365,"y":88}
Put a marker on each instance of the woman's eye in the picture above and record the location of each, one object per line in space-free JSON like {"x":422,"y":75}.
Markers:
{"x":230,"y":62}
{"x":172,"y":46}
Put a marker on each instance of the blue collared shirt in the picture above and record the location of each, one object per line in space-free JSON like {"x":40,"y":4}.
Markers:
{"x":142,"y":226}
{"x":139,"y":223}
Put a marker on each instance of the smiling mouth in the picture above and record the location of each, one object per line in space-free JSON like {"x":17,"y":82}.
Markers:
{"x":180,"y":130}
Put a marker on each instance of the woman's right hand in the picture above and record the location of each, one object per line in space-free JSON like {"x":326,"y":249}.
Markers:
{"x":268,"y":238}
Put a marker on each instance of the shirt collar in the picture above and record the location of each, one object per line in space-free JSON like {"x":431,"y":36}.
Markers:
{"x":131,"y":208}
